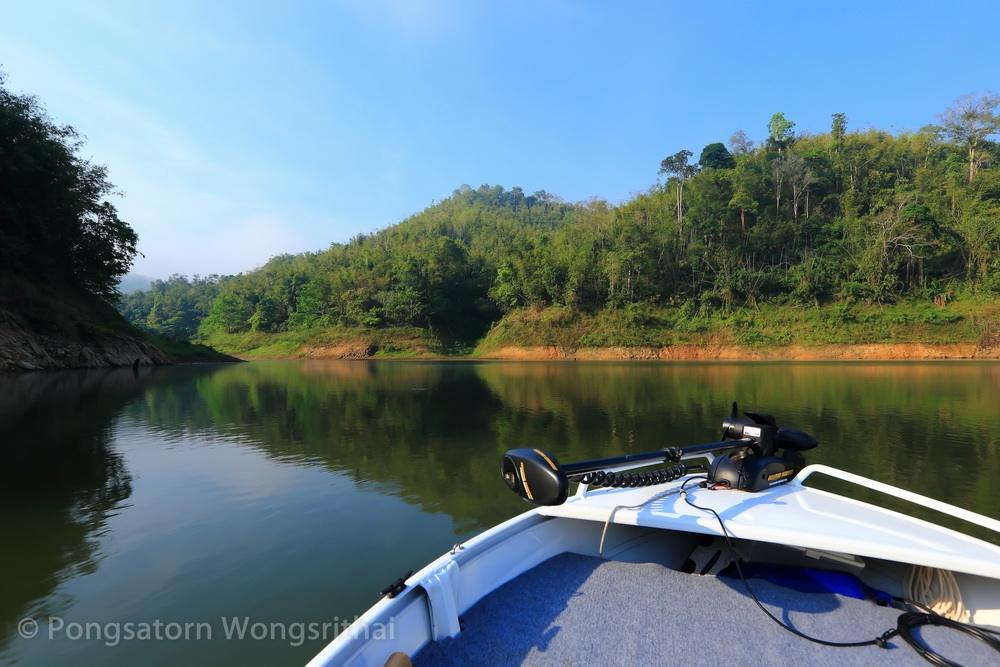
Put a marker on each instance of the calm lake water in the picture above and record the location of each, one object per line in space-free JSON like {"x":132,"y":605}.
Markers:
{"x":292,"y":492}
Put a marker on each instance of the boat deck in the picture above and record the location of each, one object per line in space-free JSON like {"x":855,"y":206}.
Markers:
{"x":793,"y":514}
{"x":576,"y":609}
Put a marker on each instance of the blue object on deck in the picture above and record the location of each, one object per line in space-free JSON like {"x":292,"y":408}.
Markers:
{"x":811,"y":580}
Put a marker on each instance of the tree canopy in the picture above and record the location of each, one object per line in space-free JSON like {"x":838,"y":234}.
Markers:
{"x":56,"y":225}
{"x":716,"y":156}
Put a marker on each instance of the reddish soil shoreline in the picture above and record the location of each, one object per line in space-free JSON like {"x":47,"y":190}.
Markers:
{"x":853,"y":352}
{"x":707,"y":352}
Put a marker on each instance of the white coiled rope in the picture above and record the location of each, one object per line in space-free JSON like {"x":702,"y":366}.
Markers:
{"x":938,"y":591}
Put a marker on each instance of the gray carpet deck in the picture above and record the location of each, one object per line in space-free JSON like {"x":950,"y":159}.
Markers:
{"x":578,"y":610}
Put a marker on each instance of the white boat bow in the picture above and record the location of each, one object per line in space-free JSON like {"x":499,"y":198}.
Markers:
{"x":568,"y":583}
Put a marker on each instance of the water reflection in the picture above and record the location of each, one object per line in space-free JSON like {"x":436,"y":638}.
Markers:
{"x":297,"y":490}
{"x":432,"y":433}
{"x":58,"y":482}
{"x":933,"y":428}
{"x":423,"y":432}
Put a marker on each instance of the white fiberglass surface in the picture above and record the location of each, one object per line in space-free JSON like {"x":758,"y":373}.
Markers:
{"x":795,"y":515}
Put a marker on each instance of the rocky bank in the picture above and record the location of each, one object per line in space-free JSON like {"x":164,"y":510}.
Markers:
{"x":25,"y":348}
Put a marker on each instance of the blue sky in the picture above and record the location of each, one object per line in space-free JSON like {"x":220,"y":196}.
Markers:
{"x":241,"y":130}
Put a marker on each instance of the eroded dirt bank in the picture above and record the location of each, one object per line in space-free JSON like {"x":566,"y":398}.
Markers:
{"x":855,"y":352}
{"x":23,"y":348}
{"x":358,"y":350}
{"x":708,"y":352}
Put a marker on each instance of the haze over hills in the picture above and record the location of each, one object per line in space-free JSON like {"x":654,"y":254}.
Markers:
{"x":134,"y":282}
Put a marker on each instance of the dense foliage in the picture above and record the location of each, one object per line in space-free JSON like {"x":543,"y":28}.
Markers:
{"x":434,"y":270}
{"x":863,"y":216}
{"x":174,"y":307}
{"x":56,"y":225}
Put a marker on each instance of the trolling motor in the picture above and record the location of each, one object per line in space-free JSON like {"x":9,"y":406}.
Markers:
{"x":746,"y":459}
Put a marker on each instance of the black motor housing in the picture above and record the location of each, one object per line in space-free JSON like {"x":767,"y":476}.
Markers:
{"x":757,"y":467}
{"x":535,"y":475}
{"x":751,"y":473}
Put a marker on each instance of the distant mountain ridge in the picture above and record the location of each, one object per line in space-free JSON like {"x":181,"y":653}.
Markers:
{"x":134,"y":282}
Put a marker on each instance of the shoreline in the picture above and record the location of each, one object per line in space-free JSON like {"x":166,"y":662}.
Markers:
{"x":824,"y":352}
{"x":708,"y":352}
{"x":26,"y":347}
{"x":898,"y":332}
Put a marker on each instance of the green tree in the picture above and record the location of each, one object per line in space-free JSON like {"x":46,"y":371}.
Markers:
{"x":780,"y":132}
{"x":56,"y":225}
{"x":980,"y":229}
{"x":970,"y":121}
{"x":229,"y":313}
{"x":313,"y":307}
{"x":676,"y":165}
{"x":506,"y":291}
{"x":716,"y":156}
{"x":268,"y":316}
{"x":744,"y":203}
{"x":838,"y":129}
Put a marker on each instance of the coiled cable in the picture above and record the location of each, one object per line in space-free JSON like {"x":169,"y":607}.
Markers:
{"x":631,"y":480}
{"x":914,"y":619}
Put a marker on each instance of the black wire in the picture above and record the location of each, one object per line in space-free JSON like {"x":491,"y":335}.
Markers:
{"x":904,"y":625}
{"x":878,"y":641}
{"x":912,"y":603}
{"x":630,"y":480}
{"x":912,"y":619}
{"x":930,"y":612}
{"x":691,"y":479}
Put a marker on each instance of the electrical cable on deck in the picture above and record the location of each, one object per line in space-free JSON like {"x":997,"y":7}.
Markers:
{"x":904,"y":624}
{"x":880,"y":641}
{"x":604,"y":533}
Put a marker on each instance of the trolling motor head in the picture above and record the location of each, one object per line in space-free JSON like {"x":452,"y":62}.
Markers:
{"x":535,"y":475}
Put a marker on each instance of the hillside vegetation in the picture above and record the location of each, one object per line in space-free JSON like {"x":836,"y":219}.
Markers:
{"x":845,"y":236}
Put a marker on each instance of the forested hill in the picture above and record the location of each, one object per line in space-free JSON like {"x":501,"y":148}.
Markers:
{"x":437,"y":269}
{"x":851,"y":218}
